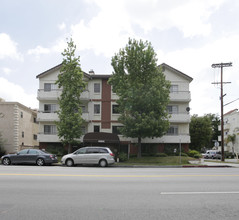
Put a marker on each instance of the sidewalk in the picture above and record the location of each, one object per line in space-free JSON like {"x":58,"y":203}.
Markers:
{"x":217,"y":163}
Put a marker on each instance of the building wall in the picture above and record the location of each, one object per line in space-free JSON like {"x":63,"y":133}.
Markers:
{"x":106,"y":99}
{"x":17,"y":126}
{"x":231,"y":127}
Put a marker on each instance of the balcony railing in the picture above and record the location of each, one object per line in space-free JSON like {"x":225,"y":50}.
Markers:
{"x":183,"y":96}
{"x":56,"y":93}
{"x":179,"y":118}
{"x":52,"y":116}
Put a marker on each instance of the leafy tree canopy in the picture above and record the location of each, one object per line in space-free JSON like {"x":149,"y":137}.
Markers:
{"x":142,"y":89}
{"x":71,"y":81}
{"x":201,"y":132}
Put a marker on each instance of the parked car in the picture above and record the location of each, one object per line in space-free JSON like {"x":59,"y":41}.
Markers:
{"x":30,"y":156}
{"x":212,"y":154}
{"x":102,"y":156}
{"x":218,"y":155}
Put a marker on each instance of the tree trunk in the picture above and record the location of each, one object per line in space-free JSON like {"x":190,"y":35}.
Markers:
{"x":69,"y":148}
{"x":139,"y":147}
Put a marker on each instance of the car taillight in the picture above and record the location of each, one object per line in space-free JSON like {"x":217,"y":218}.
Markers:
{"x":111,"y":154}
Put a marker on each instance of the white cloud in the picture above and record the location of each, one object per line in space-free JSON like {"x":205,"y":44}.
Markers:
{"x":38,"y":51}
{"x":6,"y":70}
{"x":15,"y":93}
{"x":62,"y":26}
{"x":8,"y":48}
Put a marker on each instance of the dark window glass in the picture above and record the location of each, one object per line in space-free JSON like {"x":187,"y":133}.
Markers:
{"x":96,"y":87}
{"x":92,"y":151}
{"x":96,"y":128}
{"x":23,"y":152}
{"x":115,"y":109}
{"x":103,"y":151}
{"x":96,"y":108}
{"x":32,"y":152}
{"x":116,"y":130}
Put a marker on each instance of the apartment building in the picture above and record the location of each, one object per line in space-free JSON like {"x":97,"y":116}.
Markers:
{"x":101,"y":116}
{"x":18,"y":126}
{"x":231,"y":127}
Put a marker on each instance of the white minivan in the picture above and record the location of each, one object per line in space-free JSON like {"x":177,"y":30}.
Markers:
{"x":102,"y":156}
{"x":212,"y":154}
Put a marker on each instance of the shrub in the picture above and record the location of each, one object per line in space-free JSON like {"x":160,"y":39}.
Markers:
{"x":123,"y":157}
{"x":184,"y":155}
{"x":161,"y":155}
{"x":193,"y":153}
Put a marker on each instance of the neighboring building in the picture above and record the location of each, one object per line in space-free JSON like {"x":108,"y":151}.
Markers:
{"x":18,"y":126}
{"x":231,"y":127}
{"x":100,"y":112}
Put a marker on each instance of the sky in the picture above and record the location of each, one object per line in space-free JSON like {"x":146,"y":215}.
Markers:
{"x":189,"y":35}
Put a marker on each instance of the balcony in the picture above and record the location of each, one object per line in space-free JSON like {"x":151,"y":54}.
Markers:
{"x":182,"y":138}
{"x":179,"y":118}
{"x":41,"y":137}
{"x":180,"y":96}
{"x":47,"y":116}
{"x":56,"y":93}
{"x":52,"y":116}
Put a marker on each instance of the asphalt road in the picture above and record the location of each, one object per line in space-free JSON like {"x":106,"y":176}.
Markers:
{"x":55,"y":192}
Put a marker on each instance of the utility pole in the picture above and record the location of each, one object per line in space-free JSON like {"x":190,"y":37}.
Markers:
{"x":221,"y":65}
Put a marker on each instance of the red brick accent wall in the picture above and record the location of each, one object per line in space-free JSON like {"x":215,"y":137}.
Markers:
{"x":106,"y":105}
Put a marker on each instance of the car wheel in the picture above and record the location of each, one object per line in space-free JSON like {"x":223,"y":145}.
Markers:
{"x":6,"y":161}
{"x":69,"y":162}
{"x":103,"y":163}
{"x":40,"y":162}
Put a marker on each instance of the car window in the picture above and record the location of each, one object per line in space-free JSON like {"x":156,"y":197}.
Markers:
{"x":23,"y":152}
{"x":102,"y":150}
{"x":81,"y":151}
{"x":33,"y":152}
{"x":92,"y":151}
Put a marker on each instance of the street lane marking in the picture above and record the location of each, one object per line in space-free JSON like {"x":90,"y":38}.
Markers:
{"x":119,"y":176}
{"x":196,"y":193}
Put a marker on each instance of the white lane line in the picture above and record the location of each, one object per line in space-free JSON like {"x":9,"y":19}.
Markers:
{"x":196,"y":193}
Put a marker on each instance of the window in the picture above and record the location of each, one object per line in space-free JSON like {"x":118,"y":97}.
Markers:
{"x":92,"y":151}
{"x":35,"y":120}
{"x":23,"y":134}
{"x":96,"y":128}
{"x":173,"y":130}
{"x":83,"y":130}
{"x":49,"y":87}
{"x":83,"y":109}
{"x":174,"y":88}
{"x":172,"y":109}
{"x":34,"y":137}
{"x":115,"y":109}
{"x":49,"y":129}
{"x":81,"y":151}
{"x":96,"y":108}
{"x":33,"y":152}
{"x":21,"y":114}
{"x":116,"y":130}
{"x":50,"y":108}
{"x":22,"y":152}
{"x":96,"y":87}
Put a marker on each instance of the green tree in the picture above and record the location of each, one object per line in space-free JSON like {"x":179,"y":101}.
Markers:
{"x":201,"y":132}
{"x":143,"y":91}
{"x":71,"y":81}
{"x":215,"y":123}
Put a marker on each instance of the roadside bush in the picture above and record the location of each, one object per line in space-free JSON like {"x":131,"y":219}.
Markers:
{"x":229,"y":155}
{"x":161,"y":155}
{"x":184,"y":155}
{"x":194,"y":153}
{"x":123,"y":157}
